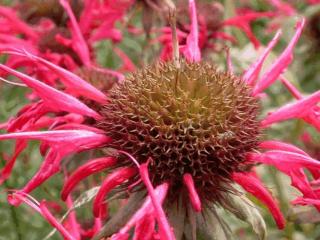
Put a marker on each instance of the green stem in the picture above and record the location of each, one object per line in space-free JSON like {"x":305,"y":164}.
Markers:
{"x":13,"y":212}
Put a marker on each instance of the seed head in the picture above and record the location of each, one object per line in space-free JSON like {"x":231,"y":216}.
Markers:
{"x":193,"y":119}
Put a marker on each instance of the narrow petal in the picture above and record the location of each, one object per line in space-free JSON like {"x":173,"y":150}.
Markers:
{"x":284,"y":160}
{"x":54,"y":222}
{"x":79,"y":44}
{"x":164,"y":227}
{"x":254,"y":186}
{"x":54,"y":99}
{"x":292,"y":89}
{"x":193,"y":195}
{"x":192,"y":51}
{"x":146,"y":208}
{"x":277,"y":145}
{"x":298,"y":109}
{"x":91,"y":167}
{"x":74,"y":83}
{"x":306,"y":201}
{"x":114,"y":179}
{"x":252,"y":73}
{"x":280,"y":65}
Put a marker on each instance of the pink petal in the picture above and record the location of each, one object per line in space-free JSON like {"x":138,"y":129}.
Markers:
{"x":72,"y":220}
{"x":74,"y":83}
{"x":193,"y":195}
{"x":92,"y":166}
{"x":79,"y":44}
{"x":114,"y":179}
{"x":285,"y":160}
{"x":293,"y":90}
{"x":280,"y":65}
{"x":54,"y":99}
{"x":146,"y":208}
{"x":306,"y":201}
{"x":297,"y":109}
{"x":277,"y":145}
{"x":254,"y":186}
{"x":192,"y":51}
{"x":164,"y":227}
{"x":252,"y":73}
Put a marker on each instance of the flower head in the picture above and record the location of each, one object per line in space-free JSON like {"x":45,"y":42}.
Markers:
{"x":181,"y":135}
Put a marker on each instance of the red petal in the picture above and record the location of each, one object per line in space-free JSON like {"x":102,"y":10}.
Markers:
{"x":112,"y":180}
{"x":145,"y":228}
{"x":254,"y":186}
{"x":193,"y":195}
{"x":91,"y":167}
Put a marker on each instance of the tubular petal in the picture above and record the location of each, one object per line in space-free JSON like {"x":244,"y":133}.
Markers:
{"x":277,"y":145}
{"x":280,"y":64}
{"x":51,"y":219}
{"x":54,"y":99}
{"x":79,"y":44}
{"x":146,"y":208}
{"x":254,"y":186}
{"x":284,"y":160}
{"x":252,"y":73}
{"x":193,"y":195}
{"x":192,"y":51}
{"x":92,"y":166}
{"x":114,"y":179}
{"x":298,"y":109}
{"x":74,"y":83}
{"x":164,"y":227}
{"x":292,"y":89}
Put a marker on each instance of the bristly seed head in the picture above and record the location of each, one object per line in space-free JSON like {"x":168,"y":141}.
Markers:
{"x":194,"y":119}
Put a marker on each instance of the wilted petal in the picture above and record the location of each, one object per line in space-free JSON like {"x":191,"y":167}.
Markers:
{"x":251,"y":75}
{"x":254,"y":186}
{"x":92,"y":166}
{"x":280,"y":65}
{"x":54,"y":99}
{"x":193,"y":195}
{"x":114,"y":179}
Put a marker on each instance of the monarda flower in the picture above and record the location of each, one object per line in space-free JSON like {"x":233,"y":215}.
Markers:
{"x":178,"y":139}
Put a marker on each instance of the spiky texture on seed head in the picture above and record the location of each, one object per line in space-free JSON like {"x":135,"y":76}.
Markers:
{"x":193,"y":119}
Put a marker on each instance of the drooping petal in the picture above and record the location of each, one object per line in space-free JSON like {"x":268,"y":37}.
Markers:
{"x":146,"y":208}
{"x":164,"y":227}
{"x":280,"y":65}
{"x":92,"y":166}
{"x":54,"y":99}
{"x":193,"y":195}
{"x":114,"y":179}
{"x":254,"y":186}
{"x":192,"y":51}
{"x":252,"y":73}
{"x":292,"y":89}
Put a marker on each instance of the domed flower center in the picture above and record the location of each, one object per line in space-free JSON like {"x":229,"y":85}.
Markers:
{"x":193,"y":119}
